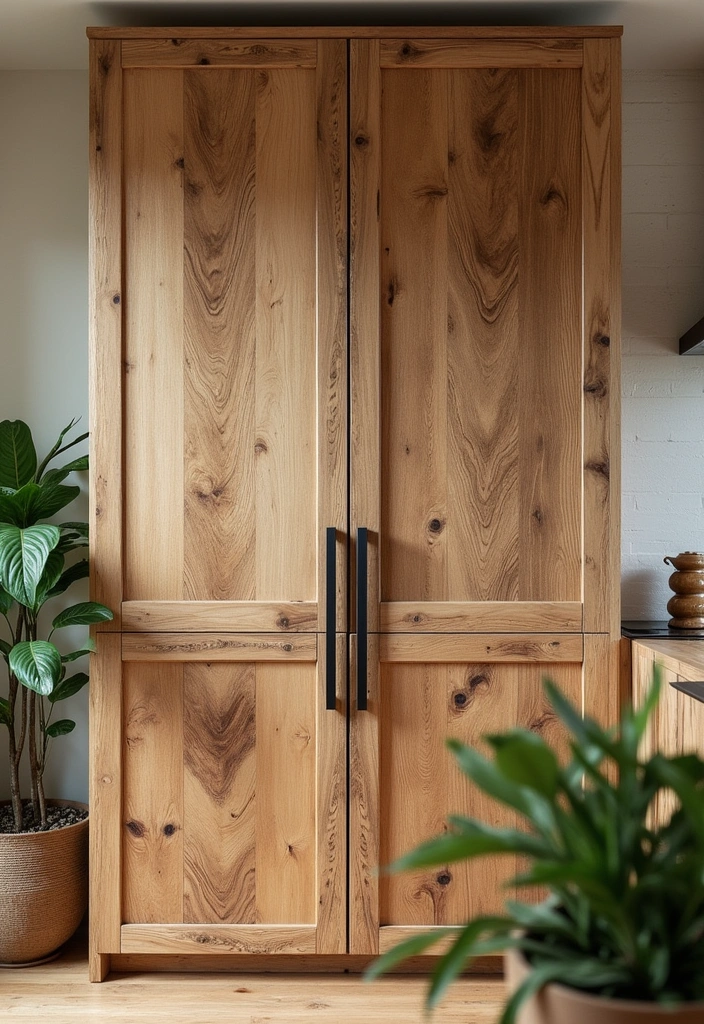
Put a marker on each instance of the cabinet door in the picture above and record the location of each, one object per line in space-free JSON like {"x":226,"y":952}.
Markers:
{"x":230,"y":835}
{"x":404,"y":783}
{"x":234,"y":184}
{"x":481,"y":292}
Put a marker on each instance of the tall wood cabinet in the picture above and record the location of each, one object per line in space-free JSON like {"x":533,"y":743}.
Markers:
{"x":354,"y":372}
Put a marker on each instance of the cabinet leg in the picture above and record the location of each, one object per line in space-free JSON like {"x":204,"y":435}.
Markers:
{"x":98,"y":966}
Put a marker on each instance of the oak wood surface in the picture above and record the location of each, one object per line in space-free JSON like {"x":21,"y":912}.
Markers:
{"x":165,"y":938}
{"x":105,"y":493}
{"x":501,"y":647}
{"x":167,"y":647}
{"x":480,"y":616}
{"x":105,"y":782}
{"x":61,"y":993}
{"x":152,"y":825}
{"x":358,"y":32}
{"x":499,"y":53}
{"x":225,"y":616}
{"x":600,"y":185}
{"x":259,"y":53}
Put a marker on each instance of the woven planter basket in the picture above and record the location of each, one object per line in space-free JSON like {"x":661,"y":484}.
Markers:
{"x":43,"y":889}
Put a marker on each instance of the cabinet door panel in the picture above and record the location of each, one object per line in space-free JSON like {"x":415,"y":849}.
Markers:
{"x":233,"y":801}
{"x":467,"y":459}
{"x":405,"y":783}
{"x":235,"y":367}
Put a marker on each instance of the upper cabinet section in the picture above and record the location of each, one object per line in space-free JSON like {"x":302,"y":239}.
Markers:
{"x":482,"y":305}
{"x":234,"y":207}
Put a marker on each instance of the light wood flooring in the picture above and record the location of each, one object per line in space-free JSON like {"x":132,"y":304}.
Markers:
{"x":59,"y":993}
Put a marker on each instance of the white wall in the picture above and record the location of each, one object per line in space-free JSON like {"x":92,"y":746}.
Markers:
{"x":43,"y":304}
{"x":43,"y":309}
{"x":663,"y":295}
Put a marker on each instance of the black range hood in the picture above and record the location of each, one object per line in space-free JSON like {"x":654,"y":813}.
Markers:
{"x":692,"y":343}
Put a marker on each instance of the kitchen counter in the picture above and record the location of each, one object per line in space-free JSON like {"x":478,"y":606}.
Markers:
{"x":681,"y":658}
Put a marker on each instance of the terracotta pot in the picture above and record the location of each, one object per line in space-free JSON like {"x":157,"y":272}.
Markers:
{"x":557,"y":1004}
{"x":43,"y":889}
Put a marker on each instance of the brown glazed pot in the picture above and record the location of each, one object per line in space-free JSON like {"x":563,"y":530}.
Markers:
{"x":557,"y":1004}
{"x":43,"y":889}
{"x":687,"y":582}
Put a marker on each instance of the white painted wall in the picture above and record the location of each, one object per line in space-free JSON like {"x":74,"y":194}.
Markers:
{"x":663,"y":295}
{"x":43,"y":313}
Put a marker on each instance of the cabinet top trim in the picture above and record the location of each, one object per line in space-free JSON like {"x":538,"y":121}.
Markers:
{"x":359,"y":32}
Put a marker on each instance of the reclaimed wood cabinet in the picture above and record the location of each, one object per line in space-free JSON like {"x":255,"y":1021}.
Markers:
{"x":354,"y":376}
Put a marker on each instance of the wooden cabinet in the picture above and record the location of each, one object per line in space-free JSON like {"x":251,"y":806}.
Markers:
{"x":354,"y":367}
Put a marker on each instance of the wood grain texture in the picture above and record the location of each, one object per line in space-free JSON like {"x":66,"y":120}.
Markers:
{"x":219,"y":336}
{"x":332,"y":195}
{"x":483,"y":338}
{"x":414,"y":189}
{"x":188,"y":53}
{"x":153,"y":226}
{"x":167,"y":647}
{"x":105,"y":779}
{"x":220,"y":785}
{"x":286,"y":832}
{"x":293,"y":963}
{"x":615,"y":346}
{"x":105,"y":327}
{"x":490,"y":53}
{"x":550,"y":322}
{"x":226,"y":938}
{"x":480,"y":616}
{"x":365,"y":367}
{"x":285,"y":380}
{"x":225,"y":616}
{"x":152,"y":819}
{"x":360,"y":32}
{"x":331,"y":810}
{"x":601,"y":541}
{"x":602,"y":687}
{"x":500,"y":647}
{"x":421,"y":705}
{"x":364,"y":811}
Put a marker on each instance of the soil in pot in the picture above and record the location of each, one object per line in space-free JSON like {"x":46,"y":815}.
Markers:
{"x":57,"y":816}
{"x":43,"y":885}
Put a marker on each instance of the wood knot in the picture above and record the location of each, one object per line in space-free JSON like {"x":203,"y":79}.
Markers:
{"x":430,"y":192}
{"x":260,"y":447}
{"x":436,"y":525}
{"x":282,"y":622}
{"x":391,"y":292}
{"x":104,"y":64}
{"x":193,"y":188}
{"x":169,"y":829}
{"x":136,"y":829}
{"x":596,"y":386}
{"x":180,"y":163}
{"x":552,"y":197}
{"x":417,"y":618}
{"x":116,"y":300}
{"x":537,"y":514}
{"x":600,"y":468}
{"x":361,"y":140}
{"x":602,"y":339}
{"x":287,"y":647}
{"x":445,"y":878}
{"x":486,"y":135}
{"x":203,"y":61}
{"x":407,"y":51}
{"x":460,"y":699}
{"x":476,"y":681}
{"x":176,"y":42}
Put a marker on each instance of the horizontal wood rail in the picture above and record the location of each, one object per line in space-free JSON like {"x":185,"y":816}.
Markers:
{"x":222,"y":53}
{"x":217,"y":938}
{"x":480,"y":617}
{"x":218,"y":647}
{"x":228,"y":616}
{"x":481,"y":53}
{"x":531,"y":647}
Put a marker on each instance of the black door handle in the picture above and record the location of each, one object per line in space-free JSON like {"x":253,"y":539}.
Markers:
{"x":362,"y":624}
{"x":330,"y":616}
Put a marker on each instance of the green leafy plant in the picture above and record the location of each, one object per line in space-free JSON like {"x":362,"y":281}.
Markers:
{"x":33,"y":574}
{"x":624,"y":915}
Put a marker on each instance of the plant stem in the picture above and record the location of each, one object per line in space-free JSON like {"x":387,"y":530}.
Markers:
{"x":33,"y":759}
{"x":13,"y":753}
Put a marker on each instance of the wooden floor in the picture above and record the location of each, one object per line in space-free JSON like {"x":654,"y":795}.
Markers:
{"x":59,"y":993}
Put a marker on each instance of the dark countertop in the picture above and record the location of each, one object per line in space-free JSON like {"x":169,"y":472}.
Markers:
{"x":657,"y":629}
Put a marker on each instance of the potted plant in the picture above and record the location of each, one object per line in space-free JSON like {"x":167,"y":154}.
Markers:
{"x":43,"y":843}
{"x":620,"y":937}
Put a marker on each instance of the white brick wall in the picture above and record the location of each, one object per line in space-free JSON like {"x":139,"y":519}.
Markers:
{"x":663,"y":295}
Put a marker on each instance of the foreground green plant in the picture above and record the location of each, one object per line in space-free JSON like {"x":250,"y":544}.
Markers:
{"x":625,"y":913}
{"x":32,"y":574}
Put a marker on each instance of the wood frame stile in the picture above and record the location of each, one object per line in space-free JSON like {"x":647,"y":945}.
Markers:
{"x":599,"y":56}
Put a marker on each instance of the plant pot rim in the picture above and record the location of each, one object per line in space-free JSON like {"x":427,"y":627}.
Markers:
{"x":6,"y":837}
{"x":629,"y":1005}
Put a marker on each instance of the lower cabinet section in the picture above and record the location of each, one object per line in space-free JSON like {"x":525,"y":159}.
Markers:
{"x":224,"y":799}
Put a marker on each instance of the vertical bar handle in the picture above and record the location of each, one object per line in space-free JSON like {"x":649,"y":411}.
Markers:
{"x":330,"y":617}
{"x":362,"y":624}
